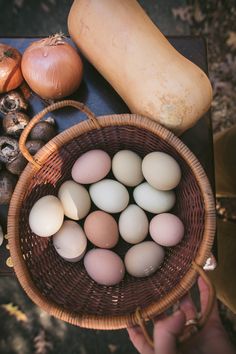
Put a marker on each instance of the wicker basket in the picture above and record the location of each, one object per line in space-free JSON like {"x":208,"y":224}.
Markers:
{"x":64,"y":289}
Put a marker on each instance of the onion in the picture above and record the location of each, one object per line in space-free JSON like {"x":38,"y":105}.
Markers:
{"x":10,"y":70}
{"x":52,"y":68}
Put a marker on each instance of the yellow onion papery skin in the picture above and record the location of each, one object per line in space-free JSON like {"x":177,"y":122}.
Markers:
{"x":10,"y":68}
{"x":52,"y":68}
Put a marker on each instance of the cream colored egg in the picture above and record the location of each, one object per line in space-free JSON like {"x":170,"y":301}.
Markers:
{"x":70,"y":241}
{"x":109,"y":195}
{"x":133,"y":224}
{"x":46,"y":216}
{"x":144,"y":259}
{"x":127,"y":168}
{"x":75,"y":200}
{"x":153,"y":200}
{"x":161,"y":170}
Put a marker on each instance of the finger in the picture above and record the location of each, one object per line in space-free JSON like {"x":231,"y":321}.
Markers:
{"x":188,"y":307}
{"x":204,"y":295}
{"x":167,"y":331}
{"x":137,"y":338}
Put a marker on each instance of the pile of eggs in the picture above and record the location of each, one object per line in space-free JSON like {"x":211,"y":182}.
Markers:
{"x":151,"y":181}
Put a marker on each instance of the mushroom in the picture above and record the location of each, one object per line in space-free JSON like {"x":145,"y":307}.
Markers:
{"x":44,"y":130}
{"x":18,"y":164}
{"x":7,"y":185}
{"x":14,"y":123}
{"x":51,"y":121}
{"x":9,"y":148}
{"x":13,"y":101}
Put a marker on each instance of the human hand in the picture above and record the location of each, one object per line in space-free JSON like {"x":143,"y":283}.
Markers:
{"x":210,"y":339}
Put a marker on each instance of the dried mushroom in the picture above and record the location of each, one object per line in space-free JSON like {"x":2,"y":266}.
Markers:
{"x":12,"y":102}
{"x":9,"y":149}
{"x":7,"y":185}
{"x":43,"y":131}
{"x":18,"y":164}
{"x":51,"y":121}
{"x":14,"y":123}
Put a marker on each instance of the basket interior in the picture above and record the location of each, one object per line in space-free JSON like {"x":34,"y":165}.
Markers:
{"x":67,"y":284}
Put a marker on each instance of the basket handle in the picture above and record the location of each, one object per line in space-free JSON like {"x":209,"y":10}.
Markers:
{"x":82,"y":107}
{"x":190,"y":328}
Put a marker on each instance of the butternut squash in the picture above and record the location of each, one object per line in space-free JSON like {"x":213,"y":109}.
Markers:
{"x":125,"y":46}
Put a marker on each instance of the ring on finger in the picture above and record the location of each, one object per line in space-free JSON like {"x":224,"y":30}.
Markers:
{"x":191,"y":322}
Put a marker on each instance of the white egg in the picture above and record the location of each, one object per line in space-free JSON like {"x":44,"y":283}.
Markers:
{"x":127,"y":168}
{"x":75,"y":200}
{"x":161,"y":170}
{"x":46,"y":216}
{"x":153,"y":200}
{"x":133,"y":224}
{"x":70,"y":241}
{"x":109,"y":195}
{"x":144,"y":259}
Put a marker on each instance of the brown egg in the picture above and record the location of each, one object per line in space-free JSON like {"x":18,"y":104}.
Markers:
{"x":101,"y":229}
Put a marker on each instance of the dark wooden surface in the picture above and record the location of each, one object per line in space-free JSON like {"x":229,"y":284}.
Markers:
{"x":99,"y":96}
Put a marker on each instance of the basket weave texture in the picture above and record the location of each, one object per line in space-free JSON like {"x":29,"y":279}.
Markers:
{"x":64,"y":289}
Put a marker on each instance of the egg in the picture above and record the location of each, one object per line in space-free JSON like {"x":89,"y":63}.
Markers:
{"x":153,"y":200}
{"x":46,"y":216}
{"x":101,"y":229}
{"x":161,"y":170}
{"x":104,"y":266}
{"x":166,"y":229}
{"x":144,"y":259}
{"x":127,"y":168}
{"x":109,"y":195}
{"x":75,"y":200}
{"x":70,"y":241}
{"x":91,"y":167}
{"x":133,"y":224}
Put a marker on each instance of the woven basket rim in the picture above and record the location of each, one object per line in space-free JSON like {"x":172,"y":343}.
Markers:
{"x":111,"y":322}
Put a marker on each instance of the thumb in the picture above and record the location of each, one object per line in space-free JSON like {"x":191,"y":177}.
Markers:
{"x":167,"y":331}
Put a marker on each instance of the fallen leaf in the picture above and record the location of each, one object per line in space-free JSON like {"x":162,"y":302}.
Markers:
{"x":197,"y":12}
{"x":45,"y":7}
{"x":41,"y":344}
{"x":112,"y":347}
{"x":184,"y":13}
{"x":19,"y":3}
{"x":231,"y":41}
{"x":14,"y":311}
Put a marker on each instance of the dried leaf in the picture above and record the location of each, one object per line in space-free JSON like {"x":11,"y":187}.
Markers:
{"x":197,"y":13}
{"x":19,"y":3}
{"x":45,"y":7}
{"x":184,"y":13}
{"x":14,"y":311}
{"x":112,"y":348}
{"x":231,"y":41}
{"x":41,"y":344}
